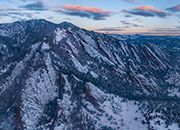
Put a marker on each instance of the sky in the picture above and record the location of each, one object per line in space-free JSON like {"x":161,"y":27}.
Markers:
{"x":147,"y":17}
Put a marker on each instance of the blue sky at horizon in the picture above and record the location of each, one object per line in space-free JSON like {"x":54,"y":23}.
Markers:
{"x":149,"y":17}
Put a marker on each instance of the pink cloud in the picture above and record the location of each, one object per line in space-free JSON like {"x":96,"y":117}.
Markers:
{"x":146,"y":11}
{"x":82,"y":8}
{"x":7,"y":9}
{"x":3,"y":8}
{"x":149,"y":8}
{"x":55,"y":10}
{"x":83,"y":11}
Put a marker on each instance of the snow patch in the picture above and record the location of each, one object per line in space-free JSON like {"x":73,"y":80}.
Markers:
{"x":161,"y":125}
{"x":135,"y":54}
{"x":120,"y":62}
{"x":174,"y":92}
{"x":45,"y":46}
{"x":95,"y":54}
{"x":40,"y":88}
{"x":5,"y":69}
{"x":94,"y":75}
{"x":72,"y":47}
{"x":173,"y":78}
{"x":59,"y":35}
{"x":88,"y":39}
{"x":78,"y":65}
{"x":150,"y":53}
{"x":4,"y":33}
{"x":18,"y":68}
{"x":125,"y":49}
{"x":65,"y":104}
{"x":118,"y":113}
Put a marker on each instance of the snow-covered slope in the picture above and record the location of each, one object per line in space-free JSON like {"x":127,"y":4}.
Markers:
{"x":61,"y":77}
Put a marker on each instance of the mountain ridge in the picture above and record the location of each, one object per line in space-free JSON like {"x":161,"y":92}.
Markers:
{"x":59,"y":76}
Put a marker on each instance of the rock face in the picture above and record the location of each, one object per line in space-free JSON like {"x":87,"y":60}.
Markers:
{"x":61,"y":77}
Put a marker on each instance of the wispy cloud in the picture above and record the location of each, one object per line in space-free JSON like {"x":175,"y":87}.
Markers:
{"x":160,"y":34}
{"x":131,"y":24}
{"x":34,"y":6}
{"x":139,"y":20}
{"x":67,"y":18}
{"x":163,"y":31}
{"x":159,"y":13}
{"x":174,"y":8}
{"x":140,"y":13}
{"x":84,"y":11}
{"x":146,"y":11}
{"x":110,"y":29}
{"x":132,"y":1}
{"x":127,"y":16}
{"x":166,"y":29}
{"x":3,"y":14}
{"x":16,"y":15}
{"x":7,"y":9}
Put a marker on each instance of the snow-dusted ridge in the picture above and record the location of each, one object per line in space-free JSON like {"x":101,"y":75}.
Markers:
{"x":62,"y":77}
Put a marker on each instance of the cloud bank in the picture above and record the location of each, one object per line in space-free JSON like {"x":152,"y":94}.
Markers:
{"x":146,"y":11}
{"x":39,"y":6}
{"x":84,"y":11}
{"x":174,"y":8}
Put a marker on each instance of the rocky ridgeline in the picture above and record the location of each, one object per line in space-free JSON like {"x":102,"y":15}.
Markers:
{"x":59,"y":76}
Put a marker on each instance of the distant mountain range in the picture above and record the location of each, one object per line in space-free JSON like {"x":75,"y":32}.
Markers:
{"x":62,"y":77}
